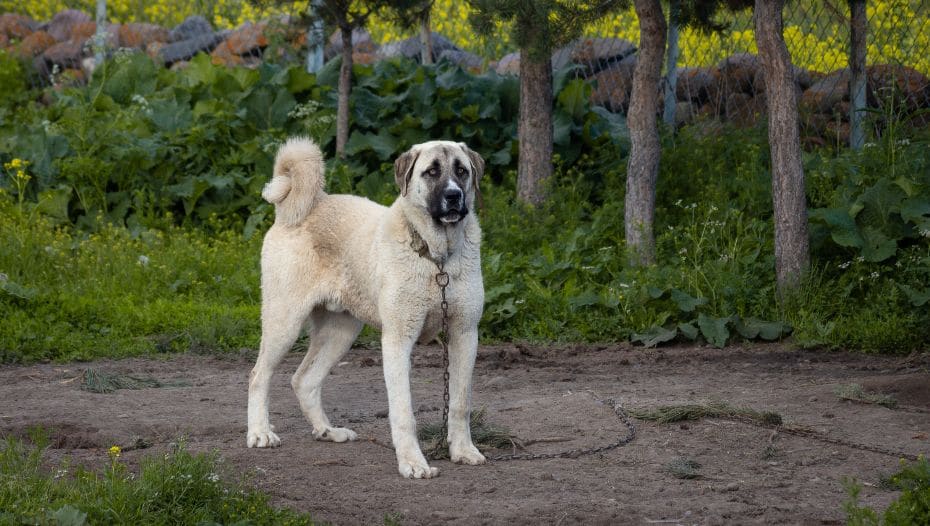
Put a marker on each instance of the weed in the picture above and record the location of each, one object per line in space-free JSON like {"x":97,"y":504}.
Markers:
{"x":174,"y":488}
{"x":683,"y":468}
{"x":912,"y":507}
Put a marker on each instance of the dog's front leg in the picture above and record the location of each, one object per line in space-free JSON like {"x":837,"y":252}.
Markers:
{"x":395,"y":349}
{"x":463,"y":346}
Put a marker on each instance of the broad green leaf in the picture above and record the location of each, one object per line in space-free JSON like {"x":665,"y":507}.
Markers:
{"x":842,"y":226}
{"x":877,"y":246}
{"x":54,"y":202}
{"x":16,"y":290}
{"x":562,"y":125}
{"x":584,"y":299}
{"x":574,"y":98}
{"x":68,"y":515}
{"x":916,"y":210}
{"x":688,"y":330}
{"x":918,"y":298}
{"x":382,"y":143}
{"x":714,"y":329}
{"x":654,"y":336}
{"x":752,"y":328}
{"x":685,"y":301}
{"x":655,"y":292}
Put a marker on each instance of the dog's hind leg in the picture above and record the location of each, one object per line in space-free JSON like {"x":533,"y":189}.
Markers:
{"x":331,"y":335}
{"x":280,"y":328}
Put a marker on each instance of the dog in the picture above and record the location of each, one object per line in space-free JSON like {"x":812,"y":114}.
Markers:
{"x":332,"y":263}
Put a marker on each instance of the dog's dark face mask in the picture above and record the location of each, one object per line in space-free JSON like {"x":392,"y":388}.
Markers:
{"x":441,"y":176}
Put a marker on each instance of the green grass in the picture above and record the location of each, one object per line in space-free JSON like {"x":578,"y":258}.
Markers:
{"x":66,"y":294}
{"x":856,"y":393}
{"x":684,"y":412}
{"x":174,"y":488}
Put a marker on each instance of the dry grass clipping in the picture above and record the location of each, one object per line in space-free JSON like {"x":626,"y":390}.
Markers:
{"x":103,"y":382}
{"x":484,"y":435}
{"x":678,"y":413}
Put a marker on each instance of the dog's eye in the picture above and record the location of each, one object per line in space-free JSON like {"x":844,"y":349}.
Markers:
{"x":432,"y":172}
{"x":461,"y":172}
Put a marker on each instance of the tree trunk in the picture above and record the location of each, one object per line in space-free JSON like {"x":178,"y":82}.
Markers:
{"x":788,"y":198}
{"x":426,"y":39}
{"x":858,"y":25}
{"x":535,"y":128}
{"x":671,"y":65}
{"x":643,"y":166}
{"x":345,"y":89}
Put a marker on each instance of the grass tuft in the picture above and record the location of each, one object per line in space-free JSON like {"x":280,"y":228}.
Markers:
{"x":683,"y":468}
{"x":856,"y":393}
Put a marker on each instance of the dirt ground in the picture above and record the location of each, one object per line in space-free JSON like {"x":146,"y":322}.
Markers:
{"x":747,"y":474}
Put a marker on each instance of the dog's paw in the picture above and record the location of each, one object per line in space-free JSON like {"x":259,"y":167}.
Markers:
{"x":466,"y":455}
{"x":412,"y":468}
{"x":335,"y":434}
{"x":262,"y":439}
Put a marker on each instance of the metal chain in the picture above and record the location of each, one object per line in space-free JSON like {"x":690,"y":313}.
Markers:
{"x":580,"y":452}
{"x":442,"y":279}
{"x":820,"y":437}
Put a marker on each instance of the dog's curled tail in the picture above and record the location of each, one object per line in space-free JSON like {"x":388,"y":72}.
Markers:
{"x":297,"y":180}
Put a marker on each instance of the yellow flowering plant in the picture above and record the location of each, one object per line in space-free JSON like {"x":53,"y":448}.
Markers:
{"x":16,"y":170}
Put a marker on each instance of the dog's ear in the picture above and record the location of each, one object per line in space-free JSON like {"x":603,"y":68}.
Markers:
{"x":403,"y":169}
{"x":477,"y":163}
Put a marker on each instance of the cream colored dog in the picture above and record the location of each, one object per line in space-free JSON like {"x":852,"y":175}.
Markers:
{"x":336,"y":262}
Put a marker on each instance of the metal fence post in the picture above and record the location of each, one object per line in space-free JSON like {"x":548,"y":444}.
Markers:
{"x":858,"y":26}
{"x":671,"y":66}
{"x":315,"y":38}
{"x":100,"y":37}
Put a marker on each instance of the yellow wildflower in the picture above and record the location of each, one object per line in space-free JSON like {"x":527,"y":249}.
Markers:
{"x":114,"y":452}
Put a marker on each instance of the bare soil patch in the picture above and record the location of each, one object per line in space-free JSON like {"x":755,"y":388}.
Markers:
{"x":743,"y":474}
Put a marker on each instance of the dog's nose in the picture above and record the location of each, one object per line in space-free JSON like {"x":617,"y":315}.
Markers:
{"x":453,"y":195}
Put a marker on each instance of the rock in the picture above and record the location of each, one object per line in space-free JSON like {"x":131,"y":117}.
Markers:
{"x":744,"y":110}
{"x":83,"y":30}
{"x":67,"y":55}
{"x":139,"y":36}
{"x":224,"y":56}
{"x":16,"y":27}
{"x":186,"y":49}
{"x":364,"y":58}
{"x":592,"y":54}
{"x":248,"y":39}
{"x":467,"y":61}
{"x":191,"y":27}
{"x":410,"y":47}
{"x":738,"y":73}
{"x":361,"y":42}
{"x":694,"y":84}
{"x":64,"y":21}
{"x":35,"y":44}
{"x":827,"y":92}
{"x":613,"y":85}
{"x":902,"y":82}
{"x":509,"y":64}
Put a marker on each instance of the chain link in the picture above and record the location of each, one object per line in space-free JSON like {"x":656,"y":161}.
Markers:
{"x":442,"y":279}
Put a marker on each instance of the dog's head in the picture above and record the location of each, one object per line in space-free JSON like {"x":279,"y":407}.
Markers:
{"x":440,"y":176}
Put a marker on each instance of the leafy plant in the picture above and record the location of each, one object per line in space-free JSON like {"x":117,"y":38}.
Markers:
{"x":911,"y":507}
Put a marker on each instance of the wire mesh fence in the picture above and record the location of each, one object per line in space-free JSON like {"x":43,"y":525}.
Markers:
{"x":716,"y":75}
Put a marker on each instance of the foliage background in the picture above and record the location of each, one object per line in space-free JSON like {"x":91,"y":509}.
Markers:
{"x":137,"y":228}
{"x":816,"y":32}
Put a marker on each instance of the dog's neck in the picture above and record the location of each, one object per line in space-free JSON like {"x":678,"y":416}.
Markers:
{"x":435,"y":241}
